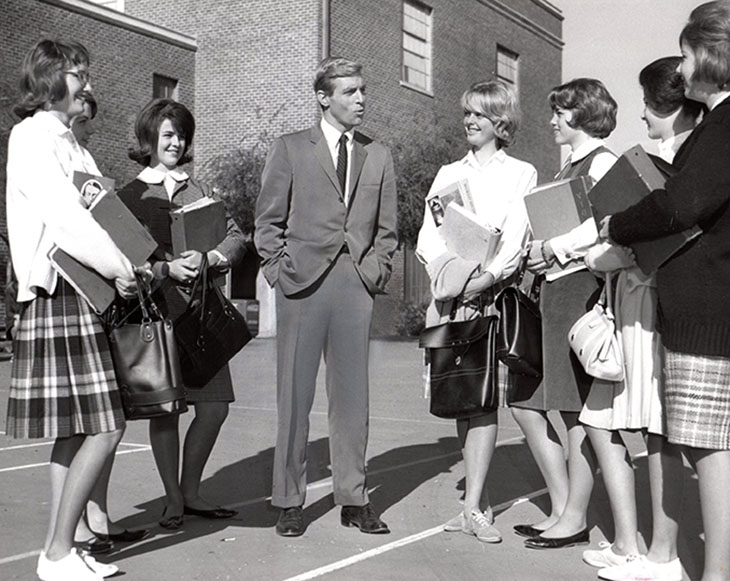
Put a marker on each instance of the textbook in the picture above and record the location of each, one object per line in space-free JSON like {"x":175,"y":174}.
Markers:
{"x":556,"y":208}
{"x":458,"y":193}
{"x":200,"y":225}
{"x":132,"y":238}
{"x":634,"y":175}
{"x":466,"y":236}
{"x":91,"y":186}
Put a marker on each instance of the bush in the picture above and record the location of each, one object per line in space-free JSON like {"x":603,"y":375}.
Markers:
{"x":236,"y":176}
{"x":411,"y":319}
{"x":416,"y":163}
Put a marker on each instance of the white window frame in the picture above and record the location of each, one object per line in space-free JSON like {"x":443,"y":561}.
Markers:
{"x":417,"y":47}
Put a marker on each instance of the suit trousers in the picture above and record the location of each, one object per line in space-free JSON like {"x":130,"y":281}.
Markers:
{"x":332,"y":318}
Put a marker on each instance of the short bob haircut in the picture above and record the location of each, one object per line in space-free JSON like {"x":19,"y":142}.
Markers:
{"x":664,"y":88}
{"x":708,"y":35}
{"x":332,"y":68}
{"x":147,"y":129}
{"x":594,"y":110}
{"x":42,"y":79}
{"x":498,"y":103}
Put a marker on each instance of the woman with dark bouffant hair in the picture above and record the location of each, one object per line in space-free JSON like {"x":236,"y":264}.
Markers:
{"x":692,"y":286}
{"x":62,"y":382}
{"x":584,"y":113}
{"x":165,"y":130}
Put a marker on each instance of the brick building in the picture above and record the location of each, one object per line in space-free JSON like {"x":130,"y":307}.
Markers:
{"x":245,"y":67}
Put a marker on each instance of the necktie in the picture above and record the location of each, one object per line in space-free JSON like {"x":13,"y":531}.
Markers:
{"x":342,"y":163}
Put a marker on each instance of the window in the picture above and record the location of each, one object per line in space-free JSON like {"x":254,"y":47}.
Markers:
{"x":164,"y":87}
{"x":507,"y":66}
{"x":416,"y":46}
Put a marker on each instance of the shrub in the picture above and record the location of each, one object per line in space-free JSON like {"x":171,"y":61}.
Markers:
{"x":411,"y":319}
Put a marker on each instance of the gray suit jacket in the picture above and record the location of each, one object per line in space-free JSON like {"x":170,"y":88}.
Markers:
{"x":302,"y":221}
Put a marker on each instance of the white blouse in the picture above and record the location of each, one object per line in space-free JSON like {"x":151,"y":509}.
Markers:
{"x":573,"y":245}
{"x":498,"y":188}
{"x":45,"y":208}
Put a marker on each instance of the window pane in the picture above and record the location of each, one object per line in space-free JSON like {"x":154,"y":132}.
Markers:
{"x":416,"y":48}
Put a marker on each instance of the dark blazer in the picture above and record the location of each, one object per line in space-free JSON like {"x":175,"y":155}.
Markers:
{"x":302,"y":222}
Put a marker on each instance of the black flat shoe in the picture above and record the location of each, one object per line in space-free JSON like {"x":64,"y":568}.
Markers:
{"x":364,"y":518}
{"x":95,"y":545}
{"x":291,"y":522}
{"x":171,"y":523}
{"x":215,"y":513}
{"x":125,"y":536}
{"x":527,"y":531}
{"x":538,"y":542}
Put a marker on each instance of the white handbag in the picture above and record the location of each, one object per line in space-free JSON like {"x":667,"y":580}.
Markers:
{"x":594,"y":341}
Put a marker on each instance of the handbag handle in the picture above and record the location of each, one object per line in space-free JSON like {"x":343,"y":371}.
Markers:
{"x":606,"y":298}
{"x":144,"y":295}
{"x":202,"y":276}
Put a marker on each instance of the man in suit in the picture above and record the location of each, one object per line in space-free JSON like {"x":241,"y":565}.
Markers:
{"x":325,"y":230}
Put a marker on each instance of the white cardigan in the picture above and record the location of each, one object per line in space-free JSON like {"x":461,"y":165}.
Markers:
{"x":45,"y":208}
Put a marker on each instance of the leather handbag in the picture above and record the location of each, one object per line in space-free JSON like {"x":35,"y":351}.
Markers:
{"x":519,"y":338}
{"x":594,"y":341}
{"x":146,"y":362}
{"x":463,"y":367}
{"x":209,"y":332}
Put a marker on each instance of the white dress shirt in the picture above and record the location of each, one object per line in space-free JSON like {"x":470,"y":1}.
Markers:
{"x":498,"y":188}
{"x":332,"y":136}
{"x":45,"y":208}
{"x":668,"y":147}
{"x":573,"y":245}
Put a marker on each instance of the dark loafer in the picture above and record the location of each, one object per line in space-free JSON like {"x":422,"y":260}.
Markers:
{"x":215,"y":513}
{"x":538,"y":542}
{"x":291,"y":522}
{"x":364,"y":518}
{"x":527,"y":531}
{"x":95,"y":546}
{"x":171,"y":523}
{"x":125,"y":536}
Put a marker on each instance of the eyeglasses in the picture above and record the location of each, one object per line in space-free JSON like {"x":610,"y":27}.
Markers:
{"x":82,"y":76}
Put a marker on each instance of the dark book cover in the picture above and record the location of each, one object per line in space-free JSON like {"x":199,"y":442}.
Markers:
{"x":200,"y":226}
{"x":556,"y":208}
{"x":634,"y":175}
{"x":132,"y":238}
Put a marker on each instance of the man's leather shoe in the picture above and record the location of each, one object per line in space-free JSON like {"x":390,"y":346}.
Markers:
{"x":291,"y":522}
{"x":364,"y":518}
{"x":527,"y":531}
{"x":538,"y":542}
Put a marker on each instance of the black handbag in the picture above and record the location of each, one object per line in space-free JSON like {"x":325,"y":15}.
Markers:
{"x":463,"y":367}
{"x":146,"y":362}
{"x":209,"y":332}
{"x":519,"y":339}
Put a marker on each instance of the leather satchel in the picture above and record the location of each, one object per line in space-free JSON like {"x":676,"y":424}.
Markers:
{"x":594,"y":341}
{"x":146,"y":362}
{"x":463,"y":367}
{"x":209,"y":332}
{"x":519,"y":338}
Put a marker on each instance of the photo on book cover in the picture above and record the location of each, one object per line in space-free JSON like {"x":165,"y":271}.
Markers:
{"x":457,"y":193}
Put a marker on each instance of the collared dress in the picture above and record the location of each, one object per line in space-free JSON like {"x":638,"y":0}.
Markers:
{"x":498,"y":188}
{"x":62,"y":379}
{"x":564,"y":385}
{"x":147,"y":196}
{"x":637,"y":402}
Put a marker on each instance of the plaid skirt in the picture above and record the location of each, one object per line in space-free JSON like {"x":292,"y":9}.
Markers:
{"x":62,"y":381}
{"x":697,"y":400}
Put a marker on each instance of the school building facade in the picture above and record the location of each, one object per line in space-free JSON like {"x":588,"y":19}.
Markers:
{"x":245,"y":69}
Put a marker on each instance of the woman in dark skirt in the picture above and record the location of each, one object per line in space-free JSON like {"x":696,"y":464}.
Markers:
{"x":62,"y":382}
{"x":165,"y":130}
{"x":692,"y":286}
{"x":583,"y":114}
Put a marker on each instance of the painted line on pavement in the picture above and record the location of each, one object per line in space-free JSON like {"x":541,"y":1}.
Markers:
{"x":138,"y":448}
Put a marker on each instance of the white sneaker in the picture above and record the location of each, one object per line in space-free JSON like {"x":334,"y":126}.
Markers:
{"x":642,"y":569}
{"x":480,"y":525}
{"x":103,"y":569}
{"x":606,"y":557}
{"x":456,"y":524}
{"x":71,"y":568}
